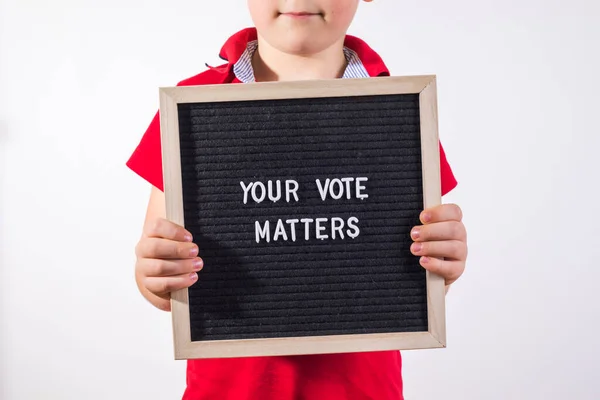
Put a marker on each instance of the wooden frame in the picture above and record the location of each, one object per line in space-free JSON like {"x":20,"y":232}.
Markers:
{"x":425,"y":86}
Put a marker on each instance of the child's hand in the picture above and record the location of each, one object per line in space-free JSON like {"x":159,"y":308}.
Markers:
{"x":166,"y":260}
{"x":441,"y":241}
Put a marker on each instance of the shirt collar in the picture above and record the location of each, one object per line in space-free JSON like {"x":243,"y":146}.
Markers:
{"x":245,"y":73}
{"x":361,"y":57}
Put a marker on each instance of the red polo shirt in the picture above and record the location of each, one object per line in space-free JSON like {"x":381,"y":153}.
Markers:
{"x":360,"y":376}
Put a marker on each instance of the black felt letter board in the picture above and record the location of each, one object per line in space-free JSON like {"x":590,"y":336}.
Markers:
{"x":301,"y":197}
{"x":272,"y":265}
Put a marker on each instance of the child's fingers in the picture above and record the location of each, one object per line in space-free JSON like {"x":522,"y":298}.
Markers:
{"x":449,"y":269}
{"x":448,"y":230}
{"x":166,"y":249}
{"x":164,"y":285}
{"x":452,"y":249}
{"x":163,"y":228}
{"x":443,"y":212}
{"x":161,"y":268}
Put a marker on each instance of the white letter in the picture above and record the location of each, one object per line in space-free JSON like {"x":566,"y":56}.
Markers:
{"x":246,"y":189}
{"x":323,"y":190}
{"x":279,"y":231}
{"x":337,"y":228}
{"x":321,"y":228}
{"x":271,"y":197}
{"x":262,"y":233}
{"x":306,"y":222}
{"x":293,"y":222}
{"x":289,"y":190}
{"x":359,"y":188}
{"x":354,"y":227}
{"x":341,"y":191}
{"x":263,"y":192}
{"x":348,"y":190}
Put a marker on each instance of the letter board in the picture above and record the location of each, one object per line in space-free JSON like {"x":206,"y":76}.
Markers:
{"x":301,"y":197}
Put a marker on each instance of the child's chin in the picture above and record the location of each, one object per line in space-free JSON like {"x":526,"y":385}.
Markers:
{"x":301,"y":44}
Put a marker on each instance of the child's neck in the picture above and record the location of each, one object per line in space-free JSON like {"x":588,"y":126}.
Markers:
{"x":270,"y":64}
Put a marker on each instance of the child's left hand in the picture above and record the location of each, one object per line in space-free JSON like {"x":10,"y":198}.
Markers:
{"x":441,"y":241}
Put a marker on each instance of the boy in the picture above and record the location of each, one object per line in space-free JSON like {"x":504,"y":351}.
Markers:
{"x":293,"y":40}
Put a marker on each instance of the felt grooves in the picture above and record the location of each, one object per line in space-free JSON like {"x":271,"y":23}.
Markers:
{"x":308,"y":286}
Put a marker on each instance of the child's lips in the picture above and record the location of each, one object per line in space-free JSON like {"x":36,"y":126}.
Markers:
{"x":300,"y":14}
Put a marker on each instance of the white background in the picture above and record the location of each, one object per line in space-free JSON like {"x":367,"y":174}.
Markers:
{"x":518,"y":92}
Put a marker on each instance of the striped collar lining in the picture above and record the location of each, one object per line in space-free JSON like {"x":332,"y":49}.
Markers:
{"x":244,"y":72}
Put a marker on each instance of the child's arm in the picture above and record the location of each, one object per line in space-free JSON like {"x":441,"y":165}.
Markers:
{"x":166,"y":256}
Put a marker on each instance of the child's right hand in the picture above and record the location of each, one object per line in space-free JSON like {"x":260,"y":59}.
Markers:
{"x":167,"y":260}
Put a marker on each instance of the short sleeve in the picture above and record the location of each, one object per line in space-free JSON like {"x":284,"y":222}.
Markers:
{"x":448,"y":180}
{"x":146,"y":159}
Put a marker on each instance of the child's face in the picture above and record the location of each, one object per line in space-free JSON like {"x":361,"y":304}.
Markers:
{"x":302,"y":27}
